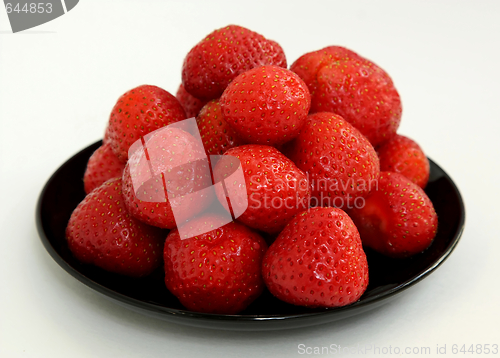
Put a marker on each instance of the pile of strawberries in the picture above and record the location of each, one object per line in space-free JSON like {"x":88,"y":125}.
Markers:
{"x":324,"y":175}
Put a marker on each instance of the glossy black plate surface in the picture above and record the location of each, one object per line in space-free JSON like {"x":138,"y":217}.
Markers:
{"x":388,"y":277}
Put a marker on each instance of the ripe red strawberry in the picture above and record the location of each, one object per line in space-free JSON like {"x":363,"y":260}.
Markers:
{"x":274,"y":188}
{"x":191,"y":104}
{"x":216,"y":134}
{"x":216,"y":272}
{"x":340,"y":162}
{"x":138,"y":112}
{"x":403,"y":155}
{"x":102,"y":166}
{"x":308,"y":65}
{"x":180,"y":171}
{"x":342,"y":82}
{"x":221,"y":56}
{"x":266,"y":105}
{"x":317,"y":260}
{"x":398,"y":219}
{"x":101,"y":232}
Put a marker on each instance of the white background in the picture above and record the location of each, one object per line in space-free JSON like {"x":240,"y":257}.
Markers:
{"x":59,"y":81}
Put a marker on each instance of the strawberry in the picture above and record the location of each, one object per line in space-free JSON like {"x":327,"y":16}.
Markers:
{"x":101,"y":232}
{"x":340,"y":162}
{"x":216,"y":134}
{"x":221,"y":56}
{"x":171,"y":172}
{"x":266,"y":105}
{"x":342,"y":82}
{"x":215,"y":272}
{"x":308,"y":65}
{"x":102,"y":165}
{"x":317,"y":260}
{"x":273,"y":187}
{"x":398,"y":219}
{"x":191,"y":104}
{"x":139,"y":112}
{"x":403,"y":155}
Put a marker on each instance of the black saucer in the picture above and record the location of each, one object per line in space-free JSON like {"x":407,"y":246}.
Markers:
{"x":388,"y":277}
